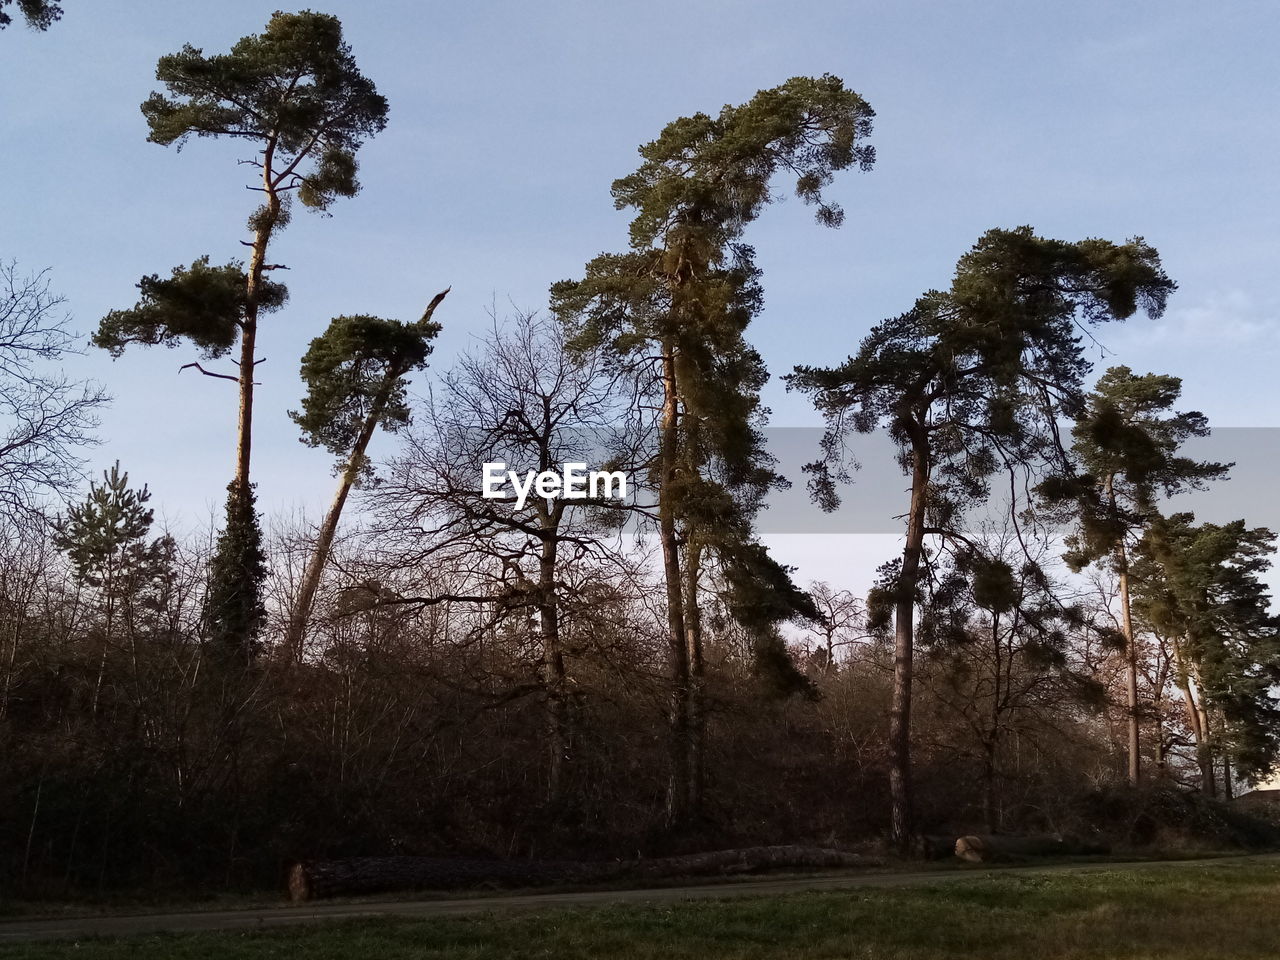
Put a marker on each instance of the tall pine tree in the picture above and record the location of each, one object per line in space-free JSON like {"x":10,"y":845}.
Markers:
{"x":679,"y":302}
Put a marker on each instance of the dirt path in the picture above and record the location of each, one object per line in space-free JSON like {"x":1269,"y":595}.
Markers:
{"x":265,"y":918}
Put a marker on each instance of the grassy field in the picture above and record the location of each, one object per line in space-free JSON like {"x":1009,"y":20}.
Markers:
{"x":1195,"y":911}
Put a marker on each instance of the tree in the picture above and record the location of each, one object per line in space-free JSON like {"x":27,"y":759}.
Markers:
{"x":45,"y":418}
{"x":1199,"y":585}
{"x":296,"y":93}
{"x":677,"y":306}
{"x":1126,"y":444}
{"x":843,"y":621}
{"x":997,"y":634}
{"x":355,"y":376}
{"x":970,"y":381}
{"x":525,"y":400}
{"x":105,"y":538}
{"x":39,"y":14}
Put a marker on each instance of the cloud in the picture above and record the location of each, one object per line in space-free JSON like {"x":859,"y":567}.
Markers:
{"x":1230,"y":318}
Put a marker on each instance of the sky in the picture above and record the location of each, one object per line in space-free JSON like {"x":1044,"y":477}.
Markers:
{"x":508,"y":122}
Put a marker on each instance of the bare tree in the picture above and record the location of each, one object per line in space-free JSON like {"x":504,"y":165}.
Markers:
{"x":522,"y":400}
{"x":46,"y":418}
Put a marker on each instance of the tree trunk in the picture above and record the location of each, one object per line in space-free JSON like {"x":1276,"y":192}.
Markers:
{"x":553,"y":670}
{"x":697,"y":705}
{"x":990,"y":805}
{"x":901,"y":814}
{"x":265,"y":226}
{"x":1195,"y":719}
{"x":296,"y":633}
{"x":1131,"y":668}
{"x":311,"y":880}
{"x":677,"y":649}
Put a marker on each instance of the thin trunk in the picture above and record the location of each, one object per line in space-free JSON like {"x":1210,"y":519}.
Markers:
{"x":677,"y":650}
{"x":1131,"y":674}
{"x":901,"y":826}
{"x":1199,"y":730}
{"x":697,"y":706}
{"x":249,"y":324}
{"x":296,"y":632}
{"x":990,"y":806}
{"x":553,"y":670}
{"x":992,"y":745}
{"x":1228,"y":782}
{"x":1130,"y":650}
{"x":1204,"y":751}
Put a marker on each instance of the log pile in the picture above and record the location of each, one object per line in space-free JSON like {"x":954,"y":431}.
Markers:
{"x":319,"y":879}
{"x":984,"y":848}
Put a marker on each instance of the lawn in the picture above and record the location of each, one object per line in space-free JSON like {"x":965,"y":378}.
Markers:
{"x":1194,"y":911}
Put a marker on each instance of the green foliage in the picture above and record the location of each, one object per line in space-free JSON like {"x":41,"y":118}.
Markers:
{"x":234,"y":610}
{"x":355,"y":370}
{"x":39,"y":14}
{"x":105,"y":537}
{"x":689,"y":287}
{"x":704,"y":179}
{"x":295,"y":89}
{"x":1126,"y":442}
{"x":979,"y":374}
{"x":1202,"y":585}
{"x":203,"y":304}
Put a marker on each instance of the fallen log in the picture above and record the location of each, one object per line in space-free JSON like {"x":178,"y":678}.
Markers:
{"x":983,"y":848}
{"x":319,"y":879}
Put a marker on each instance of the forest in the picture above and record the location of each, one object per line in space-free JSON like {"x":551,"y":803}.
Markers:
{"x":422,"y":668}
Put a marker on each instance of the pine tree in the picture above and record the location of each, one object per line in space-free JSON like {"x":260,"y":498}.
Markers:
{"x":106,"y":539}
{"x":1126,"y":445}
{"x":971,"y":380}
{"x":1200,"y":585}
{"x":355,"y":376}
{"x":681,"y":299}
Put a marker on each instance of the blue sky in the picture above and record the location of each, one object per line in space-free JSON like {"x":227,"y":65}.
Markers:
{"x":509,"y":121}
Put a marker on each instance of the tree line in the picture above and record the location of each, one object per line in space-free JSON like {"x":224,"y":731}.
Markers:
{"x":447,"y":673}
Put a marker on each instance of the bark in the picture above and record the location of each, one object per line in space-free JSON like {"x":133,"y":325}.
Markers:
{"x":329,"y":528}
{"x":677,"y":650}
{"x":249,"y":325}
{"x":901,"y":825}
{"x":317,"y":879}
{"x":553,"y":670}
{"x":1131,"y":669}
{"x":1199,"y":731}
{"x":697,"y":691}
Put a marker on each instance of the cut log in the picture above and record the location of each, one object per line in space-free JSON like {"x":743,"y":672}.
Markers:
{"x":745,"y":860}
{"x":983,"y":848}
{"x":318,"y":879}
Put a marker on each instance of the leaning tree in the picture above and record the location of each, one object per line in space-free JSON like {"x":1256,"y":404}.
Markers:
{"x":355,"y":375}
{"x":295,"y":92}
{"x":970,"y":381}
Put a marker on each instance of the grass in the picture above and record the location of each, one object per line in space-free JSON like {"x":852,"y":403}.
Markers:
{"x":1194,"y":911}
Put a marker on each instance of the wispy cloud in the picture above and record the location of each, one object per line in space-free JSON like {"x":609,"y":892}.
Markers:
{"x":1229,"y":318}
